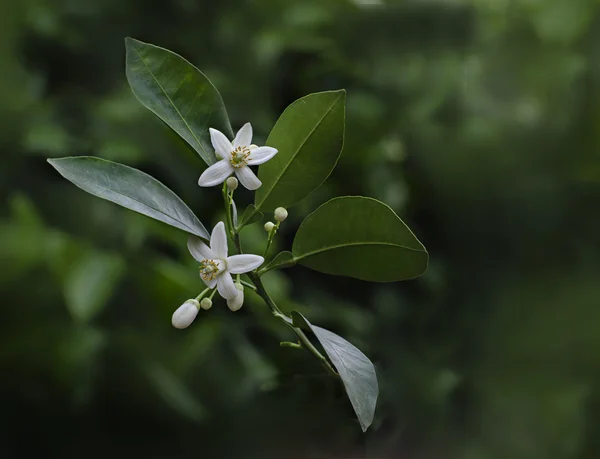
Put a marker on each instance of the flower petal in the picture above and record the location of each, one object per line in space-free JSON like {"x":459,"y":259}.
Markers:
{"x":236,"y":303}
{"x":222,"y":145}
{"x":185,"y":314}
{"x":199,"y":250}
{"x":226,"y":286}
{"x":239,"y":264}
{"x":210,"y":283}
{"x":247,"y":178}
{"x":243,"y":138}
{"x":216,"y":174}
{"x":218,"y":241}
{"x":261,"y":155}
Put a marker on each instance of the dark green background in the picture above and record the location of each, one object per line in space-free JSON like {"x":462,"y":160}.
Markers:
{"x":477,"y":121}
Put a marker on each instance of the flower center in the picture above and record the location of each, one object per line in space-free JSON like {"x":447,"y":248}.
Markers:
{"x":239,"y":157}
{"x":209,"y":269}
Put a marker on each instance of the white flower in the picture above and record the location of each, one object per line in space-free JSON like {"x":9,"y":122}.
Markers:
{"x":236,"y":303}
{"x":216,"y":267}
{"x":185,"y":314}
{"x":236,"y":158}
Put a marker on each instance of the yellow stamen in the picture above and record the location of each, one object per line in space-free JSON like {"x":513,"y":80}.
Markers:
{"x":208,"y":269}
{"x":239,"y":157}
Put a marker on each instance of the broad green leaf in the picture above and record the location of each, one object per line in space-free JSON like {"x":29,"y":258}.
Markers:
{"x":283,"y":259}
{"x":129,"y":188}
{"x":359,"y":237}
{"x":355,"y":369}
{"x":250,"y":216}
{"x":90,"y":282}
{"x":178,"y":93}
{"x":309,"y":136}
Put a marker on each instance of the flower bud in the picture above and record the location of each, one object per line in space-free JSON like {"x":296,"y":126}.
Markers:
{"x":269,"y":226}
{"x":185,"y":314}
{"x":206,"y":304}
{"x":252,"y":147}
{"x":232,"y":183}
{"x":236,"y":303}
{"x":280,"y":214}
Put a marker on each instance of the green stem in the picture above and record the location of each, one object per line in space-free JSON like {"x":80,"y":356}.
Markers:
{"x":199,"y":297}
{"x":270,"y":238}
{"x":262,"y":292}
{"x":248,"y":284}
{"x":260,"y":289}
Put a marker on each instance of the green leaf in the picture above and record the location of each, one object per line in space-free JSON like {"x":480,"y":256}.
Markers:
{"x":90,"y":282}
{"x":359,"y":237}
{"x":283,"y":259}
{"x":129,"y":188}
{"x":309,"y":136}
{"x":250,"y":216}
{"x":355,"y":369}
{"x":178,"y":93}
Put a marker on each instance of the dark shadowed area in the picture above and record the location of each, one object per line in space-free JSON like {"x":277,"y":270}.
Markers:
{"x":477,"y":121}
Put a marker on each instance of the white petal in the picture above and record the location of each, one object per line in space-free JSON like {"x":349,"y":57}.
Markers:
{"x":261,"y":155}
{"x":218,"y":241}
{"x":238,"y":301}
{"x":239,"y":264}
{"x":247,"y":178}
{"x":243,"y":138}
{"x":222,"y":145}
{"x":199,"y":250}
{"x":216,"y":174}
{"x":185,"y":314}
{"x":210,"y":283}
{"x":226,"y":286}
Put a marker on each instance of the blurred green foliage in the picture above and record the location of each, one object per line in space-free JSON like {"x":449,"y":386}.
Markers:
{"x":477,"y":121}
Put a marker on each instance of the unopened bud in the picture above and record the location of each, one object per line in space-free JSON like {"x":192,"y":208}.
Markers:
{"x":232,"y":183}
{"x":236,"y":303}
{"x":185,"y":314}
{"x":252,"y":147}
{"x":206,"y":304}
{"x":269,"y":226}
{"x":280,"y":214}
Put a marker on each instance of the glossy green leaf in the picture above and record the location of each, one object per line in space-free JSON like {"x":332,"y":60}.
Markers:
{"x":250,"y":216}
{"x":129,"y":188}
{"x":309,"y":136}
{"x":355,"y":369}
{"x":283,"y":259}
{"x":359,"y":237}
{"x":178,"y":93}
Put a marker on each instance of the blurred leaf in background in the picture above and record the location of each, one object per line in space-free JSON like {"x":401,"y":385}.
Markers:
{"x":476,"y":121}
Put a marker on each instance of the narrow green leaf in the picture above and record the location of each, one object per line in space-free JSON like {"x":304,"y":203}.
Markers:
{"x":359,"y":237}
{"x":309,"y":136}
{"x":129,"y":188}
{"x":355,"y":369}
{"x":178,"y":93}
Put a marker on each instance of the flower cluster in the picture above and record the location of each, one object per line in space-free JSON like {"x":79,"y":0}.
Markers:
{"x":216,"y":266}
